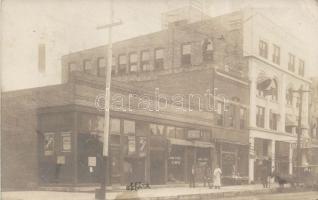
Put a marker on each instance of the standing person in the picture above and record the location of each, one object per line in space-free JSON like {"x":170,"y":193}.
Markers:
{"x":192,"y":176}
{"x":217,"y":177}
{"x":264,"y":174}
{"x":207,"y":176}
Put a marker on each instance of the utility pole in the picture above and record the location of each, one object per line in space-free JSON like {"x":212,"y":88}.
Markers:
{"x":299,"y":132}
{"x":101,"y":193}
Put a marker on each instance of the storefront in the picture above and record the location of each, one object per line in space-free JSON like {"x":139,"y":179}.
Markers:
{"x":233,"y":159}
{"x":282,"y":157}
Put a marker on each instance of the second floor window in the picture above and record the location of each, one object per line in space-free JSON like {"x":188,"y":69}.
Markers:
{"x":87,"y":66}
{"x":145,"y":61}
{"x":289,"y":96}
{"x":219,"y":114}
{"x":230,"y":115}
{"x":291,"y":62}
{"x":186,"y":54}
{"x":273,"y":118}
{"x":122,"y":63}
{"x":301,"y":67}
{"x":133,"y":62}
{"x":242,"y":118}
{"x":207,"y":50}
{"x":72,"y":67}
{"x":276,"y":54}
{"x":263,"y":49}
{"x":159,"y":61}
{"x":101,"y":64}
{"x":260,"y":116}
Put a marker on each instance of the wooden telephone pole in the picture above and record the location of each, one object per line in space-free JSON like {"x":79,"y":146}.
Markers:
{"x":101,"y":193}
{"x":299,"y":132}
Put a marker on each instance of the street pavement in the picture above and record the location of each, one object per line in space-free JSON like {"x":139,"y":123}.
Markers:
{"x":181,"y":193}
{"x":283,"y":196}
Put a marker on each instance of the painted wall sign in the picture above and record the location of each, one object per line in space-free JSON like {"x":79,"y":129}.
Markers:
{"x":92,"y":161}
{"x":49,"y":144}
{"x":66,"y":142}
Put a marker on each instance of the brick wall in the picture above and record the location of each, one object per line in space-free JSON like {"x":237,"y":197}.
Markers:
{"x":19,"y":132}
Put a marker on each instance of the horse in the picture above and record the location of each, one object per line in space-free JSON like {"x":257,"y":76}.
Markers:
{"x":283,"y":179}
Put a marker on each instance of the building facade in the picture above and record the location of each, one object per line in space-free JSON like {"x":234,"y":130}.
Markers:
{"x":277,"y":63}
{"x":219,"y":93}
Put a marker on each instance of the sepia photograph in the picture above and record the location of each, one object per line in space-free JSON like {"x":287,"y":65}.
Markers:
{"x":159,"y":99}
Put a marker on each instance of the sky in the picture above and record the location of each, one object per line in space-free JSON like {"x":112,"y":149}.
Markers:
{"x":70,"y":25}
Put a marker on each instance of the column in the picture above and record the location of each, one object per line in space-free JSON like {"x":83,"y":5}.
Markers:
{"x":75,"y":148}
{"x":273,"y":154}
{"x":282,"y":103}
{"x":251,"y":160}
{"x":267,"y":116}
{"x":305,"y":115}
{"x":290,"y":158}
{"x":252,"y":115}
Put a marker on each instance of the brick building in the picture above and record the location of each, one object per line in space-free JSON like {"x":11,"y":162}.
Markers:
{"x":273,"y":64}
{"x":226,"y":55}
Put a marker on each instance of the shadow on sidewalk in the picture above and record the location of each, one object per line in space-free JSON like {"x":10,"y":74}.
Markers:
{"x":127,"y":195}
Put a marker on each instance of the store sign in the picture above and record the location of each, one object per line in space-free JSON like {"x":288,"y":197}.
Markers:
{"x":202,"y":161}
{"x":48,"y":144}
{"x":60,"y":160}
{"x":66,"y":142}
{"x":142,"y":146}
{"x":131,"y":144}
{"x":175,"y":160}
{"x":92,"y":161}
{"x":194,"y":134}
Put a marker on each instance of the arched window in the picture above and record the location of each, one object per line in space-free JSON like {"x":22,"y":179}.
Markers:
{"x":267,"y":87}
{"x":289,"y":96}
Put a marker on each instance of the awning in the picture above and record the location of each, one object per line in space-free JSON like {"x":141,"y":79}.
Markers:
{"x":203,"y":144}
{"x":181,"y":142}
{"x":232,"y":142}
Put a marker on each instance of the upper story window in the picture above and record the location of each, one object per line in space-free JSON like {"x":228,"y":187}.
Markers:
{"x":113,"y":65}
{"x":263,"y":49}
{"x":72,"y":67}
{"x":289,"y":96}
{"x":260,"y":116}
{"x":133,"y":62}
{"x":242,"y":118}
{"x":186,"y":54}
{"x":291,"y":62}
{"x":145,"y":61}
{"x":159,"y":59}
{"x":276,"y":54}
{"x":273,"y":118}
{"x":207,"y":50}
{"x":230,"y":115}
{"x":87,"y":66}
{"x":219,"y":114}
{"x":101,"y":64}
{"x":301,"y":67}
{"x":122,"y":63}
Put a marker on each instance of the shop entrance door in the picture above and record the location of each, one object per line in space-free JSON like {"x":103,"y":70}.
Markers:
{"x":157,"y":167}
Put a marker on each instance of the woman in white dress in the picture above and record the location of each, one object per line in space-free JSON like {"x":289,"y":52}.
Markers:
{"x":217,"y":177}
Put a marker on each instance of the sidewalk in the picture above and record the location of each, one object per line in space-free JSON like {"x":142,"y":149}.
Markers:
{"x":181,"y":193}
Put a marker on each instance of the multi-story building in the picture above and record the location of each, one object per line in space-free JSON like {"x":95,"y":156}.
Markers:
{"x":311,"y":146}
{"x":277,"y":67}
{"x":246,"y":44}
{"x":248,"y":64}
